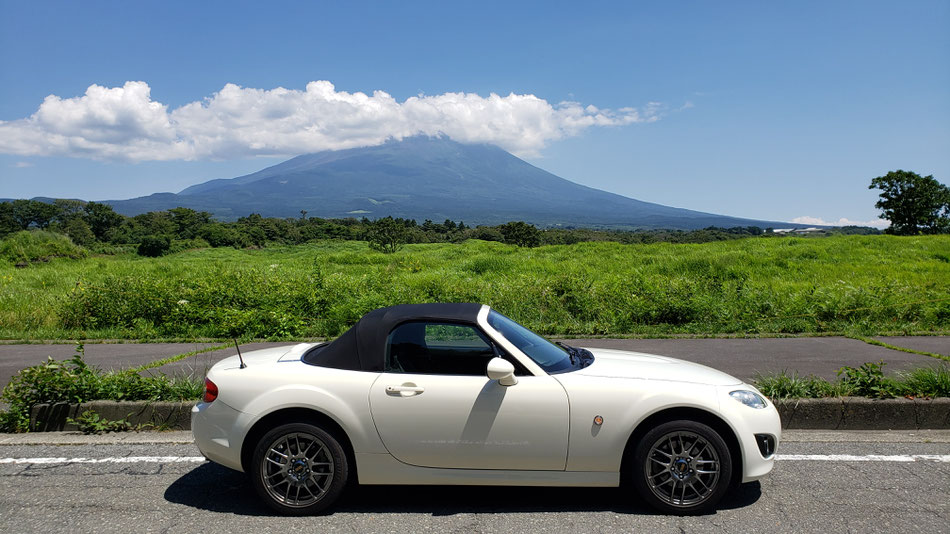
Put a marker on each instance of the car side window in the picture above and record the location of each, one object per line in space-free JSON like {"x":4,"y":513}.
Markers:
{"x":438,"y":348}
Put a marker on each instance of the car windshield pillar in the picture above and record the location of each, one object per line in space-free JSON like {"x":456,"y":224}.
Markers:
{"x":547,"y":355}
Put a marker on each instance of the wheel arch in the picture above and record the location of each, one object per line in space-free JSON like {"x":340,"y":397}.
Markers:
{"x":296,"y":415}
{"x":698,"y":415}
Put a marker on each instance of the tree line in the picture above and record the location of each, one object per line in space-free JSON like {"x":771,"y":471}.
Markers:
{"x":913,"y":204}
{"x":93,"y":224}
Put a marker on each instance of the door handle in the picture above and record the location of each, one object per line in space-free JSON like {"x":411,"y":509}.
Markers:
{"x":404,"y":391}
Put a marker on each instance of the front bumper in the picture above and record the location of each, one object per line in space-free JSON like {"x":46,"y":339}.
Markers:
{"x":759,"y":432}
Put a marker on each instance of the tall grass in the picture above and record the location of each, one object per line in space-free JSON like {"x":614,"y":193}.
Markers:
{"x":860,"y":284}
{"x":23,"y":248}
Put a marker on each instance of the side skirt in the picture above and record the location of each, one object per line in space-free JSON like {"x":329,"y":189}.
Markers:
{"x":384,"y":469}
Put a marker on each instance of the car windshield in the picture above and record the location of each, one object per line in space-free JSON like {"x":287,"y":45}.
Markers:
{"x":547,"y":355}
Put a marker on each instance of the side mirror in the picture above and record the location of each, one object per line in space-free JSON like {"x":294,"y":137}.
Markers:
{"x":501,"y":370}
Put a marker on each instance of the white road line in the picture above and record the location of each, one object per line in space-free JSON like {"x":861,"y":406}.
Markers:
{"x":943,"y":458}
{"x":108,"y":460}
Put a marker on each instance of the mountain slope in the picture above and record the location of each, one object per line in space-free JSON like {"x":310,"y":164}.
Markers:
{"x":424,"y":178}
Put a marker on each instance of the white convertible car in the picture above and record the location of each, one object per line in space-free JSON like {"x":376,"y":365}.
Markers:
{"x":461,"y":394}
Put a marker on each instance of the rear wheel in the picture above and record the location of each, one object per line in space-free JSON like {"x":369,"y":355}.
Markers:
{"x":299,"y":469}
{"x":683,"y":467}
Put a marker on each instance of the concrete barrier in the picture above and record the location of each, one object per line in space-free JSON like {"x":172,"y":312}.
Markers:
{"x":859,"y":413}
{"x":846,"y":413}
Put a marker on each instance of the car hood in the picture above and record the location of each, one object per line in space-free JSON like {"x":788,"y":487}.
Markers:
{"x":609,"y":363}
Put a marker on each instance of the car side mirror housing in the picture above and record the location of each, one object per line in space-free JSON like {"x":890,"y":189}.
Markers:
{"x":503,"y":371}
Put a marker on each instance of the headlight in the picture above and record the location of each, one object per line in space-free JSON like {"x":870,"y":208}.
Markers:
{"x":749,"y":398}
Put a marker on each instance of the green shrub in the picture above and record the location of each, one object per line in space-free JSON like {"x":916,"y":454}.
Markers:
{"x":181,"y":245}
{"x":387,"y":235}
{"x":74,"y":381}
{"x":35,"y":246}
{"x":868,"y":380}
{"x":153,"y":246}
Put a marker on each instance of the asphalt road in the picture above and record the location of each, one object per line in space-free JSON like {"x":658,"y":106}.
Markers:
{"x":896,"y":493}
{"x":743,"y":358}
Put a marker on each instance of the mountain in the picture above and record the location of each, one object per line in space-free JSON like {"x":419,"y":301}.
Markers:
{"x":424,"y":178}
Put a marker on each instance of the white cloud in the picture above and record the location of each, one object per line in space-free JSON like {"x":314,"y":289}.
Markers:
{"x":22,"y":164}
{"x":124,"y":123}
{"x":843,"y":221}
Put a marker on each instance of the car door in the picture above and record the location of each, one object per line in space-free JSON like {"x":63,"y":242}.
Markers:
{"x":434,"y":406}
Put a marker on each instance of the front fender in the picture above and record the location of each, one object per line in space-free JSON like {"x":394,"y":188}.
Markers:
{"x":622,"y":404}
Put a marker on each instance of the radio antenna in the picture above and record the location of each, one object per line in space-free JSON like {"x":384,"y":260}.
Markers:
{"x":243,"y":365}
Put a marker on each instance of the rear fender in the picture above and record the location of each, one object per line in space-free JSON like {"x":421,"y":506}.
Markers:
{"x":350,"y":412}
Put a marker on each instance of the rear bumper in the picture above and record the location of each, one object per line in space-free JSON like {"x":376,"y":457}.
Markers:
{"x":213,"y":426}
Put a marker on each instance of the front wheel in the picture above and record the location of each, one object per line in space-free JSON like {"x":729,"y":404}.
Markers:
{"x":299,"y":469}
{"x":682,"y":467}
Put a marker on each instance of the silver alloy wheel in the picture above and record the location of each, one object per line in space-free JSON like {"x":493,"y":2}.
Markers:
{"x":297,"y":469}
{"x":682,"y":469}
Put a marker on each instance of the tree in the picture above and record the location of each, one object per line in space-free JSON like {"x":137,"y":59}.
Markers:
{"x":33,"y":213}
{"x":914,"y":204}
{"x":78,"y":231}
{"x":8,"y":223}
{"x":102,"y":220}
{"x":488,"y":233}
{"x":188,"y":221}
{"x":520,"y":233}
{"x":153,"y":223}
{"x":219,"y":235}
{"x":386,"y":235}
{"x":68,"y":209}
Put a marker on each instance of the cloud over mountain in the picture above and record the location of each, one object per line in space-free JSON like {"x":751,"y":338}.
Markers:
{"x":842,"y":221}
{"x":125,"y":124}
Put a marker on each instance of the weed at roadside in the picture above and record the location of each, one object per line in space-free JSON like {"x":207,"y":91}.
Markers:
{"x":90,"y":422}
{"x":868,"y":380}
{"x":74,"y":381}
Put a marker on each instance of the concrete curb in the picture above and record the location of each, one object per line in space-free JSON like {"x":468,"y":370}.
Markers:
{"x":845,"y":413}
{"x":154,"y":415}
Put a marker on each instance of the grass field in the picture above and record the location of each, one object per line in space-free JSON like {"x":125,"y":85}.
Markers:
{"x":862,"y":285}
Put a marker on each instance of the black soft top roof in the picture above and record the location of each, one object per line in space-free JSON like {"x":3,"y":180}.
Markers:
{"x":363,"y":347}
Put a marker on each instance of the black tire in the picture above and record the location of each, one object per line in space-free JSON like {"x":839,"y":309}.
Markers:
{"x":682,"y":467}
{"x":299,"y":469}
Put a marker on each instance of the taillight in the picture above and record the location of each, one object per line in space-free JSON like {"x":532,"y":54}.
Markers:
{"x":211,"y":391}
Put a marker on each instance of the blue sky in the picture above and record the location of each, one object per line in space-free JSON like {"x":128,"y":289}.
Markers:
{"x":742,"y":108}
